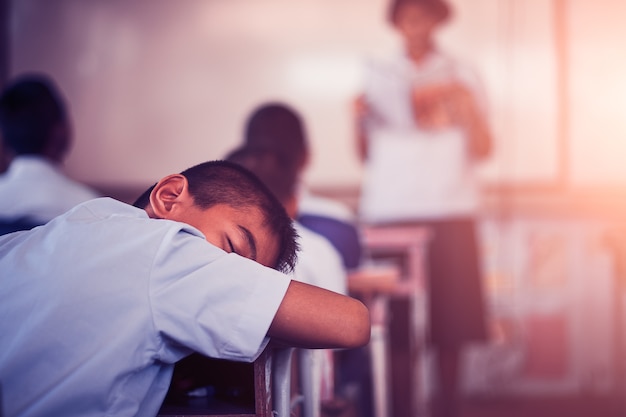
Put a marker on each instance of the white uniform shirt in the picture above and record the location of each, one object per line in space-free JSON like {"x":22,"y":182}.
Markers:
{"x":412,"y":173}
{"x":317,"y":205}
{"x":35,"y":188}
{"x":319,"y":263}
{"x":97,"y":305}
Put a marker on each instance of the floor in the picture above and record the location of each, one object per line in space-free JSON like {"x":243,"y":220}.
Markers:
{"x":583,"y":406}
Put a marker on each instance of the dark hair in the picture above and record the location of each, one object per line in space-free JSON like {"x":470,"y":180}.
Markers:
{"x":278,"y":127}
{"x":30,"y":107}
{"x":270,"y":167}
{"x":144,"y":199}
{"x":222,"y":182}
{"x":439,"y":9}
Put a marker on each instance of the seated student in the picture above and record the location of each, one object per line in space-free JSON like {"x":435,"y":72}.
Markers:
{"x":319,"y":263}
{"x":279,"y":127}
{"x":4,"y":158}
{"x":36,"y":136}
{"x":98,"y":304}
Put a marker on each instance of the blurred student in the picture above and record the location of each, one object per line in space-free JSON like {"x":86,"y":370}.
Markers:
{"x":97,"y":305}
{"x":36,"y":137}
{"x":278,"y":127}
{"x":4,"y":158}
{"x":318,"y":263}
{"x":421,"y":129}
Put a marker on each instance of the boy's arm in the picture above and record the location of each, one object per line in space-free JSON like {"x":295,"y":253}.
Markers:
{"x":313,"y":317}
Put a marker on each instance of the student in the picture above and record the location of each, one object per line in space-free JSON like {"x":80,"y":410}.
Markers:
{"x":318,"y":264}
{"x":278,"y":127}
{"x":422,"y":129}
{"x":97,"y":305}
{"x":36,"y":136}
{"x":4,"y":158}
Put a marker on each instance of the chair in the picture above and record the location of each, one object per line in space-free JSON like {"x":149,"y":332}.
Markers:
{"x":343,"y":235}
{"x":10,"y":226}
{"x":203,"y":386}
{"x":405,"y":310}
{"x":281,"y":381}
{"x":231,"y":389}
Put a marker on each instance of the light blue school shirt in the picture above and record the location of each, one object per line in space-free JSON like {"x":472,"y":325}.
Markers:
{"x":97,"y":306}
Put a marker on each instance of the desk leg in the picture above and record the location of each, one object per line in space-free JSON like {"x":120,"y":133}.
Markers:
{"x":402,"y":357}
{"x":281,"y":381}
{"x":379,"y":357}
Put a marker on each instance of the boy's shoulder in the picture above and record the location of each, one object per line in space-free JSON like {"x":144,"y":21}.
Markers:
{"x":109,"y":213}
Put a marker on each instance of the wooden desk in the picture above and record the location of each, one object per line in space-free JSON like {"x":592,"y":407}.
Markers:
{"x":373,"y":284}
{"x":251,"y":379}
{"x":406,"y":244}
{"x":405,"y":308}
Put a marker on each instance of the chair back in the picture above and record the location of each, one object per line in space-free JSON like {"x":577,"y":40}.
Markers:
{"x":10,"y":226}
{"x":343,"y":235}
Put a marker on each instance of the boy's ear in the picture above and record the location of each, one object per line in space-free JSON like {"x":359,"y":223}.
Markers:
{"x":167,"y":195}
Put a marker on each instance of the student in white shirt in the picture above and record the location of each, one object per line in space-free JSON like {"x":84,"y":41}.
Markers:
{"x":279,"y":127}
{"x":97,"y":305}
{"x":37,"y":136}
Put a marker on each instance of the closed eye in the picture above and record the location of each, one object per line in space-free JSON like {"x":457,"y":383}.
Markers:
{"x":247,"y":248}
{"x":230,"y":246}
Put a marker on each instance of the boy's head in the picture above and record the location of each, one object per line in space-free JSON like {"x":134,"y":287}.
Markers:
{"x":278,"y":127}
{"x":231,"y":207}
{"x":33,"y":118}
{"x":273,"y":170}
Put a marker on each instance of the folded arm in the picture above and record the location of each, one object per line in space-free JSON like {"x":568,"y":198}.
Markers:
{"x":313,"y":317}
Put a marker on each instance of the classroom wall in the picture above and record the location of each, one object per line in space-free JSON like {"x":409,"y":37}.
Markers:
{"x":156,"y":86}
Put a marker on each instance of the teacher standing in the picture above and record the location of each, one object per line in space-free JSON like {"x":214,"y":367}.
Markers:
{"x":421,"y":130}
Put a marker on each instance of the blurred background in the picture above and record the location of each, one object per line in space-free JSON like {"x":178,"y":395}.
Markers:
{"x":155,"y":86}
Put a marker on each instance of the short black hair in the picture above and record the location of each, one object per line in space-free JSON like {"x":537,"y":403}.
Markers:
{"x":440,"y":9}
{"x":222,"y":182}
{"x":278,"y":127}
{"x":30,"y":107}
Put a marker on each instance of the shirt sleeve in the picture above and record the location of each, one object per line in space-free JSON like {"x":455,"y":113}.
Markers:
{"x":212,"y":302}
